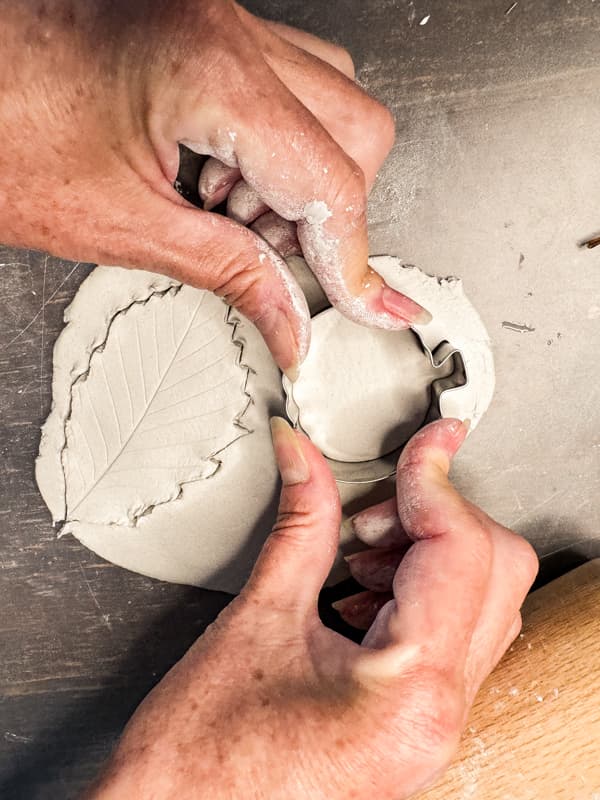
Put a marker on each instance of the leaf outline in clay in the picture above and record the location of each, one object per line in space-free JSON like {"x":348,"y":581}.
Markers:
{"x":174,"y":359}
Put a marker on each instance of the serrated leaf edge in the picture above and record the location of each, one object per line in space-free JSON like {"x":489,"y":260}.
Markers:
{"x":230,"y":319}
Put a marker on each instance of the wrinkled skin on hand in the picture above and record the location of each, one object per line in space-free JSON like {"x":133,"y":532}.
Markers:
{"x":270,"y":704}
{"x":95,"y":97}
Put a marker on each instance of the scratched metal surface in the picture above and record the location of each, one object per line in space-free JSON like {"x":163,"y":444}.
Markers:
{"x":495,"y":176}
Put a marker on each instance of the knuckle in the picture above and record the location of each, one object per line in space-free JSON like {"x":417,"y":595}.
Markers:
{"x":516,"y":626}
{"x":525,"y":560}
{"x":344,"y":61}
{"x":437,"y":709}
{"x":240,"y":283}
{"x":386,"y":125}
{"x":290,"y":530}
{"x":289,"y":524}
{"x":349,"y":187}
{"x":382,"y":127}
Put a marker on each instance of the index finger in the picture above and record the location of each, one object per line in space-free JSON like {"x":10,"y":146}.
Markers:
{"x":305,"y":176}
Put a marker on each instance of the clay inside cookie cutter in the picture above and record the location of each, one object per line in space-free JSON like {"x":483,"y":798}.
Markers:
{"x":385,"y":466}
{"x":455,"y":343}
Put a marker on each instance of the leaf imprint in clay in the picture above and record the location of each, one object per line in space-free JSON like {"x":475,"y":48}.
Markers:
{"x":163,"y":396}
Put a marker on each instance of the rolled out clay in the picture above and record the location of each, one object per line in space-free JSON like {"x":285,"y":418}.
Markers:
{"x":205,"y":525}
{"x":456,"y":321}
{"x":211,"y":534}
{"x":362,"y":392}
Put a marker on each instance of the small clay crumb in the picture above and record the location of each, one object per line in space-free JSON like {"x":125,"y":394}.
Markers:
{"x":521,"y":260}
{"x":517,"y":327}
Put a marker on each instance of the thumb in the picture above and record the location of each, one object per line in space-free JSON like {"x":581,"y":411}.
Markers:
{"x":215,"y":253}
{"x":300,"y":551}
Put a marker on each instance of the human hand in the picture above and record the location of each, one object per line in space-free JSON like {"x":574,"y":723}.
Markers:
{"x":269,"y":703}
{"x":95,"y":98}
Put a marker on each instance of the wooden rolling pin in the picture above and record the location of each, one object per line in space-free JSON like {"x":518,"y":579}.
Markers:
{"x":534,"y":731}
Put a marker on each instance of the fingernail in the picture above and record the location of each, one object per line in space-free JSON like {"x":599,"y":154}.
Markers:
{"x":360,"y":610}
{"x":283,"y":344}
{"x":352,"y":557}
{"x":400,"y":306}
{"x":293,"y":467}
{"x":213,"y":194}
{"x":457,"y":427}
{"x":292,"y":373}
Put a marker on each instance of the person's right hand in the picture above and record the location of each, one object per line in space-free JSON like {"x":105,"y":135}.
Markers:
{"x":270,"y":704}
{"x":95,"y":98}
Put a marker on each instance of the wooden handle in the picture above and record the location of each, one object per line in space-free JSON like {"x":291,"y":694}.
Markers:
{"x":534,"y":731}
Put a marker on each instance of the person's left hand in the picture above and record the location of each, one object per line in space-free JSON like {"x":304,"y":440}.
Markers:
{"x":96,"y":99}
{"x":270,"y":704}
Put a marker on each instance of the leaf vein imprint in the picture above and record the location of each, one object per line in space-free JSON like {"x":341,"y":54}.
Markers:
{"x":147,"y":403}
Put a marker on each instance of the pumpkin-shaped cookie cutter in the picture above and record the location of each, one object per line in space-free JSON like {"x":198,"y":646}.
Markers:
{"x":384,"y":467}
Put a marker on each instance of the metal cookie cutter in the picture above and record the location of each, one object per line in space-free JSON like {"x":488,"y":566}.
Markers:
{"x":444,"y":358}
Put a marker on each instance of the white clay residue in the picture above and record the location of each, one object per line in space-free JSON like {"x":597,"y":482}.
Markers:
{"x":316,"y":212}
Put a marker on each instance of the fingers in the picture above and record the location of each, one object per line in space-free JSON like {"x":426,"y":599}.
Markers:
{"x":459,"y":588}
{"x":441,"y":583}
{"x":212,"y":252}
{"x":363,"y":127}
{"x":337,"y":56}
{"x":279,"y":233}
{"x":300,"y":551}
{"x":340,"y":138}
{"x":215,"y":182}
{"x":321,"y":76}
{"x":299,"y":171}
{"x":297,"y":168}
{"x":244,"y":205}
{"x":359,"y":610}
{"x":514,"y":569}
{"x":379,"y":525}
{"x":427,"y":502}
{"x":307,"y":178}
{"x":375,"y":569}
